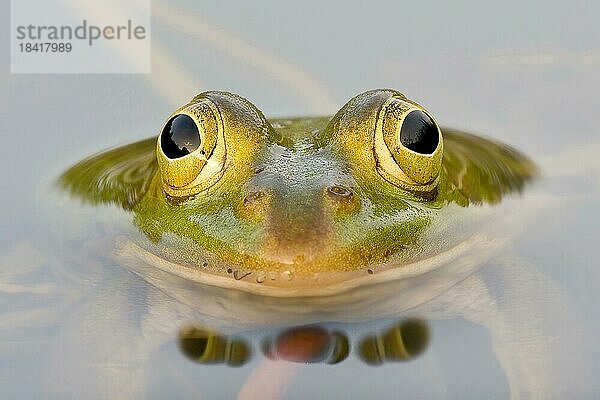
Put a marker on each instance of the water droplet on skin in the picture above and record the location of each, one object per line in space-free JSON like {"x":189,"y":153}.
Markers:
{"x":288,"y":275}
{"x":272,"y":276}
{"x":260,"y":278}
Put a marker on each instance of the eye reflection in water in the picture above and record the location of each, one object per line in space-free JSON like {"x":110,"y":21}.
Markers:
{"x":208,"y":347}
{"x":403,"y":341}
{"x":308,"y":344}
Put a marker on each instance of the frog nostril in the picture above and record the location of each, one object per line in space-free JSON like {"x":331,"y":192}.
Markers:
{"x":255,"y":205}
{"x":253,"y":197}
{"x":343,"y":200}
{"x":339,"y":192}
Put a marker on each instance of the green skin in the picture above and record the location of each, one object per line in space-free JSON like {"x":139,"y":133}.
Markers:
{"x":276,"y":209}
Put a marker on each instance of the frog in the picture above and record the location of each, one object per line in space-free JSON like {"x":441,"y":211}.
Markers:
{"x":235,"y":222}
{"x":302,"y":206}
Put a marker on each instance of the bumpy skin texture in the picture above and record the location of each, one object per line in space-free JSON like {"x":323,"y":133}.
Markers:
{"x":302,"y":195}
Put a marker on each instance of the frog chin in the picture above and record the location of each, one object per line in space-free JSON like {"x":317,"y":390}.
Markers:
{"x":156,"y":267}
{"x":337,"y":296}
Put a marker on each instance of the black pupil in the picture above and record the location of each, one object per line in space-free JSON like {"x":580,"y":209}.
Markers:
{"x":419,"y":133}
{"x":180,"y":136}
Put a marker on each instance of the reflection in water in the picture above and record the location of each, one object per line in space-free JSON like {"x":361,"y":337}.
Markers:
{"x":308,"y":344}
{"x":313,"y":344}
{"x":402,"y":342}
{"x":206,"y":347}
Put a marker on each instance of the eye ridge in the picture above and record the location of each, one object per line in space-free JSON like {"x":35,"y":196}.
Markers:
{"x":180,"y":137}
{"x":419,"y":133}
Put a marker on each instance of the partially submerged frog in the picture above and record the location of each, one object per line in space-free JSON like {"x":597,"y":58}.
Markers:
{"x":303,"y":206}
{"x":243,"y":222}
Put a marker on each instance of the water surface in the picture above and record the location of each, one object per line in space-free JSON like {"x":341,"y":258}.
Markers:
{"x":491,"y":69}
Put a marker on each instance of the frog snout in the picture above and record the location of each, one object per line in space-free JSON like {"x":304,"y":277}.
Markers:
{"x":298,"y":227}
{"x":297,"y":232}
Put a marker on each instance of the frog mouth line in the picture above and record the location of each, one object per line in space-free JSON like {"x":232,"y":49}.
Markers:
{"x":458,"y":261}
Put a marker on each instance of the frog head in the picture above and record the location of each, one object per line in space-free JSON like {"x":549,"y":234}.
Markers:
{"x":224,"y":190}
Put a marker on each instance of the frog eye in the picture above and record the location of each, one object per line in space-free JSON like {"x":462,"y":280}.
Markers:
{"x":190,"y":149}
{"x":419,"y":133}
{"x":408,"y":146}
{"x":179,"y":137}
